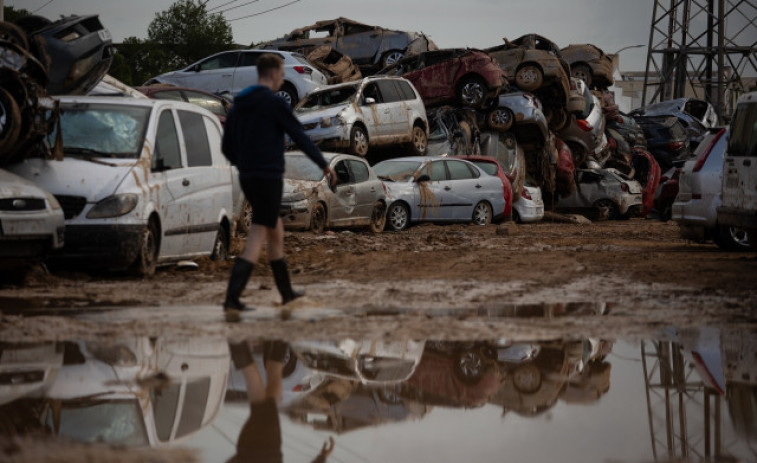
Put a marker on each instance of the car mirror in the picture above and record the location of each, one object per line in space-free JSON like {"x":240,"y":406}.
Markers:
{"x":370,"y":101}
{"x":423,"y":178}
{"x":196,"y":68}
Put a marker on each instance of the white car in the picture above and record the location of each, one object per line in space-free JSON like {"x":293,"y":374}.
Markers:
{"x":142,"y":182}
{"x":740,"y":170}
{"x":232,"y":71}
{"x":699,"y":195}
{"x":603,"y":188}
{"x":374,"y":111}
{"x":31,"y":221}
{"x":529,"y":207}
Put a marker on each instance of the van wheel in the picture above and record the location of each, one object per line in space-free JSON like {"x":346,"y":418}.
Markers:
{"x":148,"y":252}
{"x":731,"y":238}
{"x":220,"y":247}
{"x":419,"y":141}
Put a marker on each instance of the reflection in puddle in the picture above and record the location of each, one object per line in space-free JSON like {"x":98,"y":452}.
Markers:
{"x":690,"y":396}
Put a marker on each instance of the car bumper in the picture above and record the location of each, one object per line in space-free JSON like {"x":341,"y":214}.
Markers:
{"x":737,"y":217}
{"x":30,"y":234}
{"x":335,"y":136}
{"x":630,"y":205}
{"x":110,"y":246}
{"x":529,"y":211}
{"x":691,"y":213}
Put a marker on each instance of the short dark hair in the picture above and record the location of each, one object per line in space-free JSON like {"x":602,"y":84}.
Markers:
{"x":267,"y":63}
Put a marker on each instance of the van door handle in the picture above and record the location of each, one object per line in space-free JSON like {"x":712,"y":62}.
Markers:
{"x":478,"y":186}
{"x":185,"y":182}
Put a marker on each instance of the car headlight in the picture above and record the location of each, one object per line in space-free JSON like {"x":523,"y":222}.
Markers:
{"x":327,"y":122}
{"x":54,"y":204}
{"x":113,"y":206}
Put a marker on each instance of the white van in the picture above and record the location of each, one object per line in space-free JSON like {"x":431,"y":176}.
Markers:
{"x":739,"y":206}
{"x":142,"y":182}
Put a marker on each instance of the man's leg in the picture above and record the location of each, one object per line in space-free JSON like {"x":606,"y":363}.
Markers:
{"x":242,"y":270}
{"x":279,"y":264}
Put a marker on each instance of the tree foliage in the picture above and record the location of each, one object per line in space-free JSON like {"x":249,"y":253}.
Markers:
{"x":11,"y":14}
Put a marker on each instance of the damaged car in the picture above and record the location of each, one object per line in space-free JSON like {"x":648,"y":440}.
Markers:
{"x":700,"y":110}
{"x":336,"y":65}
{"x":598,"y":189}
{"x":585,"y":134}
{"x":375,"y":111}
{"x":503,"y":147}
{"x":463,"y":76}
{"x":358,"y":200}
{"x":453,"y":131}
{"x":370,"y":47}
{"x":438,"y":189}
{"x":590,"y":64}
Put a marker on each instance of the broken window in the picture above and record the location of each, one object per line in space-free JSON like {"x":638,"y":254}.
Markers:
{"x":167,"y":143}
{"x":326,"y":98}
{"x":342,"y":173}
{"x":371,"y":91}
{"x":102,"y":421}
{"x":195,"y":139}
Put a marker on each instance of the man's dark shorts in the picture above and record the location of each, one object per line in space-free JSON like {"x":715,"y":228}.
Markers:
{"x":260,"y":439}
{"x":264,"y":195}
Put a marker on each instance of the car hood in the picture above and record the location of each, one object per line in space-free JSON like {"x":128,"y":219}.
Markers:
{"x":94,"y":180}
{"x":318,"y":114}
{"x":13,"y":186}
{"x":292,"y":187}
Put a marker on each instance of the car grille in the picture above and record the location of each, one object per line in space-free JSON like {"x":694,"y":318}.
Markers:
{"x":22,"y":204}
{"x":310,"y":126}
{"x":72,"y":205}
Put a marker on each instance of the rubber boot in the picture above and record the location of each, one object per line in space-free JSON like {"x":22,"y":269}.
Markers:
{"x":240,"y":354}
{"x":275,"y":351}
{"x":240,"y":274}
{"x":283,"y":283}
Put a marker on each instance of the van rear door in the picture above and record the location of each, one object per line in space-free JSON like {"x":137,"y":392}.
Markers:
{"x":740,"y":170}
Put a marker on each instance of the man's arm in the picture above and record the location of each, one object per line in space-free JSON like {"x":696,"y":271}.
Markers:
{"x":294,"y":129}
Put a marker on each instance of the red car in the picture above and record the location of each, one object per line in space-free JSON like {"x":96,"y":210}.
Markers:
{"x":215,"y":104}
{"x":566,"y":170}
{"x":492,"y":167}
{"x":454,"y":75}
{"x":647,"y":173}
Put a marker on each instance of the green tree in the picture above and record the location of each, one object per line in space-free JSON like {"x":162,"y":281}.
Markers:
{"x":11,"y":14}
{"x":138,"y":60}
{"x":189,"y":32}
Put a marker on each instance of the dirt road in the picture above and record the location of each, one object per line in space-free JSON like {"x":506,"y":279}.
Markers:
{"x":453,"y":281}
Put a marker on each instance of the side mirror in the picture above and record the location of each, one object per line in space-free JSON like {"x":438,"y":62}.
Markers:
{"x":423,"y":178}
{"x":196,"y":68}
{"x":370,"y":101}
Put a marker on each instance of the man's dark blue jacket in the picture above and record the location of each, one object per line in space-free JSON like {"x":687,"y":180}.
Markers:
{"x":253,"y":138}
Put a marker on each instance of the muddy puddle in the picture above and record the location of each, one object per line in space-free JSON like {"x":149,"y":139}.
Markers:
{"x":685,"y":394}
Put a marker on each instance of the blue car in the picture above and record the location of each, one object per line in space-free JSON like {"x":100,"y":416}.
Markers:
{"x":439,"y":189}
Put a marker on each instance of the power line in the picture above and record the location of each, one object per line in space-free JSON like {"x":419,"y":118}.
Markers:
{"x":43,"y":6}
{"x":222,"y":5}
{"x":264,"y":12}
{"x":238,"y":6}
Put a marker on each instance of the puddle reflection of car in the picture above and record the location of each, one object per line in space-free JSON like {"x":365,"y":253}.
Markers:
{"x":138,"y":392}
{"x":27,"y":370}
{"x":604,"y":188}
{"x":307,"y":203}
{"x":437,"y":189}
{"x":370,"y":362}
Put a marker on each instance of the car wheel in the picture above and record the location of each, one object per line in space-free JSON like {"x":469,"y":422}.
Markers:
{"x":14,"y":34}
{"x":220,"y":247}
{"x":245,"y":218}
{"x":148,"y":251}
{"x":500,"y":119}
{"x":529,"y":78}
{"x":10,"y":121}
{"x":391,"y":57}
{"x":482,"y":213}
{"x":318,"y":218}
{"x":527,"y":378}
{"x":358,"y":141}
{"x":420,"y":141}
{"x":469,"y":366}
{"x":472,"y":91}
{"x":731,"y":238}
{"x":612,"y":208}
{"x":378,"y":217}
{"x":289,"y":94}
{"x":583,"y":72}
{"x":397,"y":217}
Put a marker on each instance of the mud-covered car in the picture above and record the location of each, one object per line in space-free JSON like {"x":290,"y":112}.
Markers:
{"x":452,"y":131}
{"x":534,"y":64}
{"x":530,"y":206}
{"x":603,"y":188}
{"x":438,"y":189}
{"x":589,"y":63}
{"x":504,"y":147}
{"x":667,"y":140}
{"x":464,"y":76}
{"x":700,"y":110}
{"x":585,"y":134}
{"x":336,"y":65}
{"x":359,"y":199}
{"x":370,"y":47}
{"x":375,"y":111}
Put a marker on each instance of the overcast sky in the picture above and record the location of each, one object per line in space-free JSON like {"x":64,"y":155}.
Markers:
{"x":609,"y":24}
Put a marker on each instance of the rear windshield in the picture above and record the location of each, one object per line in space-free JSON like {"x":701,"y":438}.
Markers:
{"x":327,"y":98}
{"x":299,"y":167}
{"x":743,"y":139}
{"x":102,"y":130}
{"x":398,"y":171}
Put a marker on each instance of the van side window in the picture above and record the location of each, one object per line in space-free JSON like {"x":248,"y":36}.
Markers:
{"x":167,"y":143}
{"x":195,"y":139}
{"x":165,"y":402}
{"x":389,"y":91}
{"x":407,"y":91}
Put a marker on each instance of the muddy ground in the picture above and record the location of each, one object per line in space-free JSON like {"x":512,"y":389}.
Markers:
{"x":431,"y":281}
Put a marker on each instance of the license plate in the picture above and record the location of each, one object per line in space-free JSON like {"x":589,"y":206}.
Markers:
{"x":105,"y":35}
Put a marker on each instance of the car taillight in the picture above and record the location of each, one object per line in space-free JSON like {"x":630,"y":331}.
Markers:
{"x":303,"y":70}
{"x":525,"y":194}
{"x":624,"y":187}
{"x":702,"y":158}
{"x":675,"y":145}
{"x":585,"y":126}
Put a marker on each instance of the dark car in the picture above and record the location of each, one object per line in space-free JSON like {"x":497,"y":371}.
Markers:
{"x":589,"y":63}
{"x":667,"y":139}
{"x":215,"y":104}
{"x":370,"y":47}
{"x":465,"y":76}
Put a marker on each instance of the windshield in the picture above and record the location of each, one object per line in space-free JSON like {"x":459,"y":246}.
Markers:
{"x":114,"y":422}
{"x":398,"y":171}
{"x":327,"y":98}
{"x":102,"y":130}
{"x":300,"y":167}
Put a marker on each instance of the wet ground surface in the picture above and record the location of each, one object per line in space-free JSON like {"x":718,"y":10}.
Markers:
{"x":614,"y":341}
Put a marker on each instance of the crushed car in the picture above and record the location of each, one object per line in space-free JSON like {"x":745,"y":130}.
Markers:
{"x":463,"y":76}
{"x":375,"y":111}
{"x":370,"y":47}
{"x":336,"y":65}
{"x":608,"y":189}
{"x":307,"y":203}
{"x":452,"y":131}
{"x":590,"y":64}
{"x":700,"y":110}
{"x":666,"y":139}
{"x":585,"y":133}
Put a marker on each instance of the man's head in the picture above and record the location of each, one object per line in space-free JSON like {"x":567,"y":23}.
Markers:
{"x":271,"y":71}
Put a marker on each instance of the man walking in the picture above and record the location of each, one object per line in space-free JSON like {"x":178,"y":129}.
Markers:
{"x":253,"y":141}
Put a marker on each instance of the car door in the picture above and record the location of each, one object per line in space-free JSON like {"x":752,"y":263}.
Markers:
{"x":166,"y":178}
{"x":366,"y":190}
{"x":344,"y":200}
{"x":215,"y":74}
{"x":372,"y":112}
{"x":394,"y":114}
{"x":463,"y":191}
{"x":359,"y":41}
{"x":429,"y":195}
{"x":246,"y":72}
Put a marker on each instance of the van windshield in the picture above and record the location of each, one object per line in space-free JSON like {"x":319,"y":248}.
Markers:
{"x":328,"y":98}
{"x":743,"y":139}
{"x":102,"y":130}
